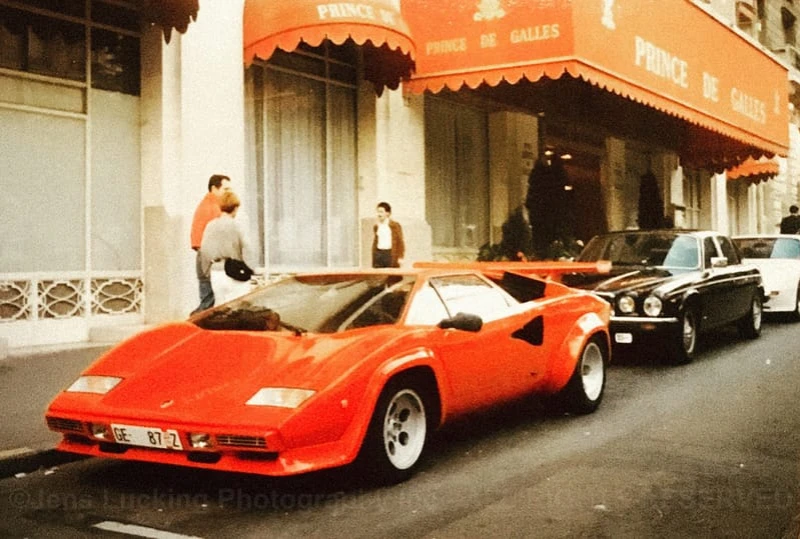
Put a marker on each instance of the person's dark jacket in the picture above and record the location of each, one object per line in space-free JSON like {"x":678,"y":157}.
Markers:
{"x":790,"y":224}
{"x":398,"y":244}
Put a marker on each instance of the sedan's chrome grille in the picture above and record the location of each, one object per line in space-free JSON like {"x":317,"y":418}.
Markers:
{"x":60,"y":423}
{"x":241,"y":441}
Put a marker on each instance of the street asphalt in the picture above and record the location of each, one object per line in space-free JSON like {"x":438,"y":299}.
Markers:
{"x":29,"y":379}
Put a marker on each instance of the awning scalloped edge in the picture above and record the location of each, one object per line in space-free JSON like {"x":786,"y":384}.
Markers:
{"x":754,"y":170}
{"x":288,"y":40}
{"x":756,"y":146}
{"x":761,"y":146}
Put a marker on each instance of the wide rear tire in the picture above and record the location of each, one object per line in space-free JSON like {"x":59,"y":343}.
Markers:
{"x":584,"y":391}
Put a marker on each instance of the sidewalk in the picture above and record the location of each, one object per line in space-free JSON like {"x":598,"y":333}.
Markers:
{"x":29,"y":379}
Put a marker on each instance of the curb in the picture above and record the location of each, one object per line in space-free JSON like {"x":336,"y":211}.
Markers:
{"x":26,"y":460}
{"x":44,"y":350}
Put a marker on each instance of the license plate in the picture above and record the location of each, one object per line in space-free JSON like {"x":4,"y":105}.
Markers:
{"x":146,"y":436}
{"x":623,"y":338}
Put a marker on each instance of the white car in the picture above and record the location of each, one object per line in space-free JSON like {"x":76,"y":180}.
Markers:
{"x":777,"y":257}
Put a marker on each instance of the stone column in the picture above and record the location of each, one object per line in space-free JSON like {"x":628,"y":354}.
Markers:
{"x":192,"y":127}
{"x":391,"y":164}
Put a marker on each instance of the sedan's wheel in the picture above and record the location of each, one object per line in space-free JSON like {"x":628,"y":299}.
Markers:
{"x":750,"y":325}
{"x":686,"y":342}
{"x":584,"y":391}
{"x":397,"y":434}
{"x":796,"y":313}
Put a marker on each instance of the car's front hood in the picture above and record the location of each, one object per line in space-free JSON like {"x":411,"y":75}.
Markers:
{"x":640,"y":281}
{"x":211,"y":374}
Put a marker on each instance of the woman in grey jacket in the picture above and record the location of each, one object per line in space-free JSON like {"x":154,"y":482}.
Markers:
{"x":224,"y":239}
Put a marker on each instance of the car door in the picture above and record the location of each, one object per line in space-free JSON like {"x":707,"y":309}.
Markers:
{"x":711,"y":286}
{"x":490,"y":365}
{"x":726,"y":293}
{"x":739,"y":279}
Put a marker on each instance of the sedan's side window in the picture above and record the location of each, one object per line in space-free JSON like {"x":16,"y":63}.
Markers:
{"x":728,"y":251}
{"x":709,"y":252}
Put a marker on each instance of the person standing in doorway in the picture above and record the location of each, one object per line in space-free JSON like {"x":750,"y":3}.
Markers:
{"x":388,"y":246}
{"x":791,"y":223}
{"x":207,"y":210}
{"x":224,"y":243}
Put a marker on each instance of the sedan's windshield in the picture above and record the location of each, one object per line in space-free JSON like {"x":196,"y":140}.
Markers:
{"x":320,"y":304}
{"x":663,"y":249}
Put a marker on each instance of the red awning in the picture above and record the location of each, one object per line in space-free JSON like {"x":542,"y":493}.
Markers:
{"x":754,"y":170}
{"x":660,"y":54}
{"x":376,"y":25}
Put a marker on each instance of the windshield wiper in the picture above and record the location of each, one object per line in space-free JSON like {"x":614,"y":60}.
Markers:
{"x":298,"y":331}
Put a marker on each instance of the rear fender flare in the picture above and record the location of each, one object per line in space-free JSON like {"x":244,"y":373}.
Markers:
{"x":586,"y":327}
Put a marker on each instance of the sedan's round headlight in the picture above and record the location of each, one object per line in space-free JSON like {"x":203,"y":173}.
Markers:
{"x":626,"y":304}
{"x":652,"y":306}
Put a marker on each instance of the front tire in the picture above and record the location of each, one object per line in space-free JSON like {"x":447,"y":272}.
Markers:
{"x":397,"y":434}
{"x":750,"y":325}
{"x":685,"y":343}
{"x":584,"y":391}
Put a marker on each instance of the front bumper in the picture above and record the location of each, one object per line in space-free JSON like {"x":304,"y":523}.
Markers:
{"x":626,"y":330}
{"x":245,"y":450}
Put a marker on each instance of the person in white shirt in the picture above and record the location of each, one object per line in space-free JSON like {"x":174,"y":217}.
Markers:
{"x":388,"y":246}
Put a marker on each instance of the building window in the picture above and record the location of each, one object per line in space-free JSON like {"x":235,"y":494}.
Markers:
{"x":69,"y":85}
{"x":456,"y":174}
{"x":788,"y":20}
{"x":305,"y":116}
{"x":49,"y":38}
{"x":692,"y":198}
{"x":746,"y":15}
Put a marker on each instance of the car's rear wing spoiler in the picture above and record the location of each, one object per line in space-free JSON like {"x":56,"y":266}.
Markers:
{"x":551,"y":270}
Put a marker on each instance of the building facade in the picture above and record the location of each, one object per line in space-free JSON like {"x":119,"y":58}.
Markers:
{"x":116,"y":131}
{"x":757,"y":197}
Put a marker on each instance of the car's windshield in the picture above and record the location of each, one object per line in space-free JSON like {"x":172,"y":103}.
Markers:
{"x":768,"y":247}
{"x":663,"y":249}
{"x":320,"y":304}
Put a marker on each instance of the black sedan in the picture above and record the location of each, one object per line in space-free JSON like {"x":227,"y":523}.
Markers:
{"x":671,"y":285}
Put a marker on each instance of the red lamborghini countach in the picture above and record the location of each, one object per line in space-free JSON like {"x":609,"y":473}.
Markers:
{"x":326,"y":369}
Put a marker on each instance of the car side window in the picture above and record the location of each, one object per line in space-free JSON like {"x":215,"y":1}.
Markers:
{"x":709,"y":252}
{"x":471,"y":294}
{"x":728,"y":250}
{"x":786,"y":248}
{"x":385,"y":308}
{"x":426,"y":308}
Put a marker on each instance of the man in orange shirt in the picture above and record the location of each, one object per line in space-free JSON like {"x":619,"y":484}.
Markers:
{"x":207,"y":210}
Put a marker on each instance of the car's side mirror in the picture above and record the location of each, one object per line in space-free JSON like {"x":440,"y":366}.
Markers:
{"x":463,"y":321}
{"x":719,"y":262}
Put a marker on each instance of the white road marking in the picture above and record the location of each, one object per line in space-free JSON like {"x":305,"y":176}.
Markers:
{"x":140,"y":531}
